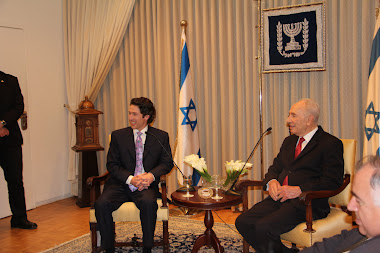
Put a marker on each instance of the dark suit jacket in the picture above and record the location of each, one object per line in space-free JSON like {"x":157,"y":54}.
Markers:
{"x":344,"y":241}
{"x":319,"y":166}
{"x":121,"y":158}
{"x":11,"y":108}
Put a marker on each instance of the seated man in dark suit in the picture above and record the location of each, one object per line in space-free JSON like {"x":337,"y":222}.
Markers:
{"x":135,"y":161}
{"x":309,"y":159}
{"x":365,"y":202}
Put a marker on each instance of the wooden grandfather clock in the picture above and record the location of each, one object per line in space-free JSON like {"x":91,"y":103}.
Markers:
{"x":87,"y":143}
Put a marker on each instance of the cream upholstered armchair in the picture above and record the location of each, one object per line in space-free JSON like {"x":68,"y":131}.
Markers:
{"x":339,"y":218}
{"x":128,"y":212}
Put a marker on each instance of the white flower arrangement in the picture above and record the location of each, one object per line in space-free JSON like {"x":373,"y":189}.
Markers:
{"x":233,"y":168}
{"x":199,"y":164}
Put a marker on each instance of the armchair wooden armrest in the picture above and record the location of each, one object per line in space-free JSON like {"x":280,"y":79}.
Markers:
{"x":94,"y":184}
{"x":308,"y":196}
{"x":164,"y":191}
{"x":305,"y":197}
{"x":242,"y":186}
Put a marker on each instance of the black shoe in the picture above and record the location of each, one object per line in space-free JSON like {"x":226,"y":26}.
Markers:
{"x":147,"y":250}
{"x":24,"y":224}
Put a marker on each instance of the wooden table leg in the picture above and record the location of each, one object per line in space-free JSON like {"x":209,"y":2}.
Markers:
{"x":209,"y":237}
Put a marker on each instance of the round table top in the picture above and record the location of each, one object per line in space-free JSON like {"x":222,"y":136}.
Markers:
{"x":199,"y":203}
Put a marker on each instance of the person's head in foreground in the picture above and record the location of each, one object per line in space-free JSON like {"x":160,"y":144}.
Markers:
{"x":365,"y":201}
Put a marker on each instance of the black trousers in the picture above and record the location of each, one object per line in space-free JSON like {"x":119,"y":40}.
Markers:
{"x":11,"y":162}
{"x":112,"y":198}
{"x":262,"y":225}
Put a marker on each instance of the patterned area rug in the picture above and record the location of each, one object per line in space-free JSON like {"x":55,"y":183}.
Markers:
{"x":183,"y":233}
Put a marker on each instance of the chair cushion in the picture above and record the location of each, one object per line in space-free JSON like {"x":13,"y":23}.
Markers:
{"x":349,"y":151}
{"x":324,"y":228}
{"x":129,"y":212}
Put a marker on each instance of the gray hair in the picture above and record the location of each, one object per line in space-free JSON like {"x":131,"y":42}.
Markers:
{"x":312,"y":107}
{"x":374,"y":162}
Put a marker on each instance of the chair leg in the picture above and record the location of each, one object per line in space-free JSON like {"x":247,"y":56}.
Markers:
{"x":245,"y":246}
{"x":94,"y":239}
{"x":165,"y":235}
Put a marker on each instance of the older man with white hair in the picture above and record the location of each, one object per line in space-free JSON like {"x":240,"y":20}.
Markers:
{"x":365,"y":202}
{"x":310,"y":159}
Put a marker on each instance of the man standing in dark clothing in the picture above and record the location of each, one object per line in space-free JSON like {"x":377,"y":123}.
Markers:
{"x":11,"y":108}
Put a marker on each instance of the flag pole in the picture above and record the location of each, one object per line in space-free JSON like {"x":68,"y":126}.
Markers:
{"x":185,"y":187}
{"x":183,"y":27}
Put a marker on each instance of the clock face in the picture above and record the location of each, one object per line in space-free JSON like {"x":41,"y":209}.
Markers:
{"x":88,"y":132}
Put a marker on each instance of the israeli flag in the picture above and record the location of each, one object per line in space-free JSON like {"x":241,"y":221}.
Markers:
{"x":187,"y":142}
{"x":372,"y":112}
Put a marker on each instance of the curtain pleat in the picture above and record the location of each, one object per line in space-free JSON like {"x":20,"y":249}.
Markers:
{"x":93,"y":31}
{"x":223,"y":43}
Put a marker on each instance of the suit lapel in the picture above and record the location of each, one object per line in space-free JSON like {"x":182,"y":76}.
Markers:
{"x":130,"y":144}
{"x":292,"y":145}
{"x":312,"y":143}
{"x":148,"y":144}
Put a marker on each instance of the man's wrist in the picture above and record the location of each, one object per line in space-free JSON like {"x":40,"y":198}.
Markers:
{"x":129,"y":179}
{"x":154,"y":178}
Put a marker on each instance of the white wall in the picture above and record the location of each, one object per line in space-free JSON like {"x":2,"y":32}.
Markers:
{"x":47,"y":158}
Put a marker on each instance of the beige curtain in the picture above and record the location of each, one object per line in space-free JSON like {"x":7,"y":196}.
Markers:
{"x":223,"y":43}
{"x":93,"y":31}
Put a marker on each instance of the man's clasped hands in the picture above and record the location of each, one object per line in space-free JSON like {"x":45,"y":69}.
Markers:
{"x":283,"y":192}
{"x":142,"y":181}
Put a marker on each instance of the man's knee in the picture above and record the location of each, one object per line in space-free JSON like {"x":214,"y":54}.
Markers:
{"x":101,"y":204}
{"x":239,"y":223}
{"x":149,"y":204}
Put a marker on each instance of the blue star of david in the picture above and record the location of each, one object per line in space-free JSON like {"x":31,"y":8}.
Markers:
{"x":370,"y":130}
{"x":186,"y":120}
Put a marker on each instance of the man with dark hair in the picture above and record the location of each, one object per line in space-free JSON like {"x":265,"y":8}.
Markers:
{"x":365,"y":202}
{"x":135,"y":161}
{"x":309,"y":159}
{"x":11,"y":108}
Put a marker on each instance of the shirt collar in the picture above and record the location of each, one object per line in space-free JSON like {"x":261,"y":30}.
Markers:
{"x":143,"y":130}
{"x":309,"y":135}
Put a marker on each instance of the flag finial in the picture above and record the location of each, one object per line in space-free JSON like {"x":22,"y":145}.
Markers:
{"x":184,"y":23}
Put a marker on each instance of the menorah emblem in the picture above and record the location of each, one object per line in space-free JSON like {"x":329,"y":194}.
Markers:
{"x":292,"y":30}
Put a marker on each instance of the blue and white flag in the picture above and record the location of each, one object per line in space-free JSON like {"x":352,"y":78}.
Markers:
{"x":372,"y":113}
{"x":187,"y":142}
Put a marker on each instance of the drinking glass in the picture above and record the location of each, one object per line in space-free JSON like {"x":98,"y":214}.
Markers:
{"x":187,"y":182}
{"x":217,"y":183}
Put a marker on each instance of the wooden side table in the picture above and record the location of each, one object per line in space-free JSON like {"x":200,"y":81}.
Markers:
{"x":209,"y":237}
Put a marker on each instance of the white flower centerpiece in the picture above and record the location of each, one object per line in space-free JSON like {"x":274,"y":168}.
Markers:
{"x":233,"y":169}
{"x":199,"y":164}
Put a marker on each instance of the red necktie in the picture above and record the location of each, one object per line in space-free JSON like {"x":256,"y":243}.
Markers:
{"x":296,"y":153}
{"x":299,"y":147}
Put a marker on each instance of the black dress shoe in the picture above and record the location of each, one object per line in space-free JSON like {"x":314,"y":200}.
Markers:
{"x":147,"y":250}
{"x":24,"y":224}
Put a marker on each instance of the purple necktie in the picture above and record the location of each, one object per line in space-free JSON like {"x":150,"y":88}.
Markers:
{"x":139,"y":158}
